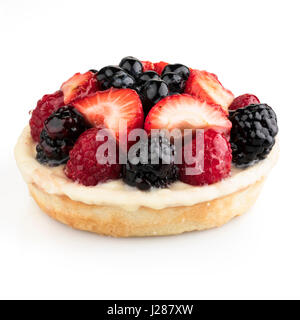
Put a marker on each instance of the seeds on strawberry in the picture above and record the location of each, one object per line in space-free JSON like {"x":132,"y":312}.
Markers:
{"x":207,"y":87}
{"x":186,"y":112}
{"x":110,"y":108}
{"x":79,"y":86}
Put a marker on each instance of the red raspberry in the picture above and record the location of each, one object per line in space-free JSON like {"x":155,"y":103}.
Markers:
{"x":147,"y":66}
{"x":243,"y":101}
{"x":45,"y":107}
{"x":83,"y":166}
{"x":217,"y":160}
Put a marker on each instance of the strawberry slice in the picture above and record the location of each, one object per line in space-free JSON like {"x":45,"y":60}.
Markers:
{"x":207,"y":87}
{"x":148,"y":66}
{"x":186,"y":112}
{"x":79,"y":86}
{"x":159,"y":66}
{"x":111,"y":108}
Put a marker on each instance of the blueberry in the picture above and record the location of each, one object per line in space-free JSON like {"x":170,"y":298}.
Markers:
{"x":152,"y":92}
{"x":175,"y":82}
{"x":132,"y":65}
{"x":106,"y":73}
{"x":146,"y":76}
{"x":180,"y":69}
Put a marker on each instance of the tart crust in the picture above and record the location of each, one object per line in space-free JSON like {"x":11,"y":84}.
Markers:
{"x":118,"y":222}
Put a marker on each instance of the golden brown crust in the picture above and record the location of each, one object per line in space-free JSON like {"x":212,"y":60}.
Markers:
{"x":118,"y":222}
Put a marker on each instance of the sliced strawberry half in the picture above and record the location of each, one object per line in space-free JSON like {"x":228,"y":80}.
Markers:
{"x":159,"y":66}
{"x":112,"y":109}
{"x":148,"y":66}
{"x":186,"y":112}
{"x":79,"y":86}
{"x":207,"y":87}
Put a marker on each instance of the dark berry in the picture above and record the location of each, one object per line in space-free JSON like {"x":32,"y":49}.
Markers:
{"x":180,"y":69}
{"x":174,"y":82}
{"x":146,"y":76}
{"x":119,"y":79}
{"x":152,"y":92}
{"x":253,"y":133}
{"x":61,"y":131}
{"x":156,"y":168}
{"x":105,"y":74}
{"x":132,"y":65}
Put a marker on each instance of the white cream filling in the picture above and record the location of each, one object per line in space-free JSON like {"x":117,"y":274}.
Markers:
{"x":116,"y":193}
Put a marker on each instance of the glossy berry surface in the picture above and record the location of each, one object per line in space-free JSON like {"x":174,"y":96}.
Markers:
{"x":114,"y":77}
{"x":84,"y":166}
{"x":132,"y":66}
{"x":174,"y":82}
{"x":253,"y":133}
{"x":61,"y":131}
{"x":146,"y":76}
{"x":243,"y":101}
{"x":45,"y":107}
{"x":180,"y":69}
{"x":213,"y":161}
{"x":152,"y":92}
{"x":159,"y":172}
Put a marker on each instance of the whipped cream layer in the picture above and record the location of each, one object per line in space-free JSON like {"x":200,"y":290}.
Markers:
{"x":117,"y":193}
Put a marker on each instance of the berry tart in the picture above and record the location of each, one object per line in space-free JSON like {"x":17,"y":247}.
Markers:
{"x":85,"y":153}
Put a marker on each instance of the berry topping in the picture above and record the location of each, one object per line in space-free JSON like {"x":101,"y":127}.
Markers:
{"x":132,"y":65}
{"x":157,"y":170}
{"x":148,"y":66}
{"x":45,"y":107}
{"x":174,"y":81}
{"x":211,"y":163}
{"x":112,"y":107}
{"x":152,"y":92}
{"x":207,"y":87}
{"x":84,"y":166}
{"x":79,"y":86}
{"x":243,"y":101}
{"x":186,"y":112}
{"x":159,"y":67}
{"x":146,"y":76}
{"x":59,"y":135}
{"x":253,"y":133}
{"x":177,"y":68}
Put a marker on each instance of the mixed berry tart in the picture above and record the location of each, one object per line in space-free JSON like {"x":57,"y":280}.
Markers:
{"x":145,"y":149}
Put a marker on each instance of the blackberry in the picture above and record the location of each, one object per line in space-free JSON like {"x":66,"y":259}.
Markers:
{"x":180,"y":69}
{"x":253,"y":133}
{"x":154,"y":165}
{"x":146,"y":76}
{"x":61,"y":131}
{"x":132,"y":66}
{"x":175,"y":82}
{"x":152,"y":92}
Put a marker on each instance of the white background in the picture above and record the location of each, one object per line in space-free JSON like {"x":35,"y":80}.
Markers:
{"x":253,"y":46}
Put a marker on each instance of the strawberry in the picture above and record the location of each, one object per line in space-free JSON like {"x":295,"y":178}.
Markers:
{"x":147,"y":66}
{"x":159,"y":66}
{"x":79,"y":86}
{"x":216,"y":164}
{"x":186,"y":112}
{"x":207,"y":87}
{"x":106,"y":109}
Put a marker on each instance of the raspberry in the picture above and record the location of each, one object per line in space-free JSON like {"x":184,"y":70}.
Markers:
{"x":243,"y":101}
{"x":158,"y":170}
{"x":45,"y":107}
{"x":83,"y":166}
{"x":217,"y":160}
{"x":253,"y":133}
